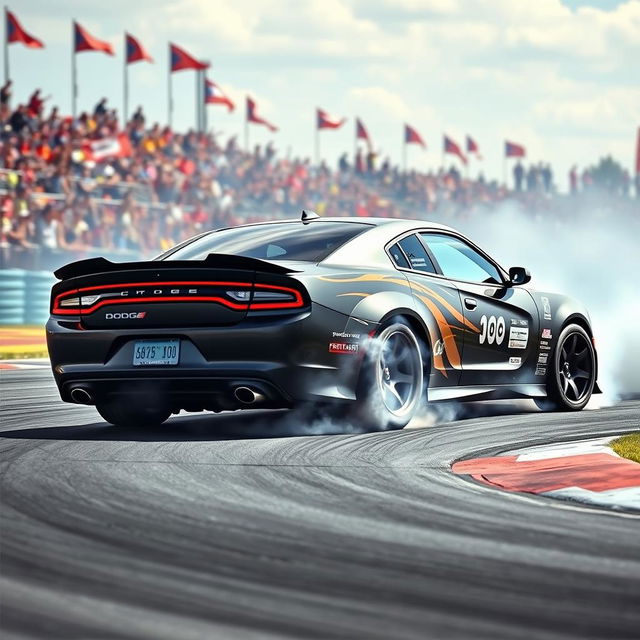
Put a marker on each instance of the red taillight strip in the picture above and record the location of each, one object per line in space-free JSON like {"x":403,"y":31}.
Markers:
{"x":297,"y":302}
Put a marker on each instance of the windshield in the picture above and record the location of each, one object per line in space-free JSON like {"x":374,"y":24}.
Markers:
{"x":310,"y":242}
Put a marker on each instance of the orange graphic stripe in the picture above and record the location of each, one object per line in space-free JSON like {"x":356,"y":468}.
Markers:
{"x":450,"y":347}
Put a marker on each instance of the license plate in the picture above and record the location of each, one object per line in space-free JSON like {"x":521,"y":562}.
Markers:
{"x":150,"y":352}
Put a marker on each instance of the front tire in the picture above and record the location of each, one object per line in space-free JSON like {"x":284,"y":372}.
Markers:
{"x":572,"y":374}
{"x":121,"y":415}
{"x":391,"y":384}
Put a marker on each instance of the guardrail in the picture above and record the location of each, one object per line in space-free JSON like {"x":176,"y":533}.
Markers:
{"x":24,"y":296}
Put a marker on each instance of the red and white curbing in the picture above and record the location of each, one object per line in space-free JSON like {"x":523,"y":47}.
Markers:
{"x":587,"y":471}
{"x":31,"y":363}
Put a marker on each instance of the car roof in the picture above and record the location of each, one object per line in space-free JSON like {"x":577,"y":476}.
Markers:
{"x":404,"y":223}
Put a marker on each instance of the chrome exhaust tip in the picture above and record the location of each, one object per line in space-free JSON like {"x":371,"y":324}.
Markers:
{"x":246,"y":395}
{"x":81,"y":396}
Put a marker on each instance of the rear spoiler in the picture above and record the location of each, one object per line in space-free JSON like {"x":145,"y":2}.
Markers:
{"x":215,"y":260}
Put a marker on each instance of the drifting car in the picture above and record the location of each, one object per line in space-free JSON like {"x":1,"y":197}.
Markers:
{"x":374,"y":316}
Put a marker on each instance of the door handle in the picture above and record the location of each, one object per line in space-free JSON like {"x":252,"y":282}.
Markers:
{"x":470,"y":303}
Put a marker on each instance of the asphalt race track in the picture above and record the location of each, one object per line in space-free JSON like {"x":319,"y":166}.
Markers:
{"x":226,"y":526}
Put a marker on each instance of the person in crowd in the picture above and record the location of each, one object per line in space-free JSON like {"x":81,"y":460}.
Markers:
{"x":101,"y":108}
{"x":19,"y":119}
{"x":518,"y":176}
{"x":626,"y":183}
{"x":359,"y":163}
{"x":35,"y":104}
{"x":532,"y":178}
{"x":5,"y":93}
{"x":573,"y":180}
{"x":371,"y":161}
{"x":547,"y":177}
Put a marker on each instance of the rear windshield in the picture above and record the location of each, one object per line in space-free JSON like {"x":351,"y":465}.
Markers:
{"x":311,"y":242}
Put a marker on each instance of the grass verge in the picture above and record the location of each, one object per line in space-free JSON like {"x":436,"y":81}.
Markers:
{"x":628,"y":446}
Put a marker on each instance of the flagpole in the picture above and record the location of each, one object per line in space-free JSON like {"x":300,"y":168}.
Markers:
{"x":317,"y":145}
{"x":126,"y":85}
{"x":6,"y":45}
{"x":355,"y":145}
{"x":170,"y":97}
{"x":198,"y":118}
{"x":205,"y":112}
{"x":404,"y":152}
{"x":504,"y":170}
{"x":74,"y":84}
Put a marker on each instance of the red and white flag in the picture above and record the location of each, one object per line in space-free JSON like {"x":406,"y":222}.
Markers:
{"x":514,"y":150}
{"x":411,"y":136}
{"x":472,"y":147}
{"x":114,"y":147}
{"x":361,"y":132}
{"x":84,"y":41}
{"x":15,"y":32}
{"x":325,"y":121}
{"x":452,"y":147}
{"x":252,"y":115}
{"x":213,"y":95}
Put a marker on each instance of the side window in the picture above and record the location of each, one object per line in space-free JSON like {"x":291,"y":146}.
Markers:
{"x":459,"y":261}
{"x":398,"y":257}
{"x":417,"y":254}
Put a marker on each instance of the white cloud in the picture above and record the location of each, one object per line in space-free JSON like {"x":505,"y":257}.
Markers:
{"x":381,"y":98}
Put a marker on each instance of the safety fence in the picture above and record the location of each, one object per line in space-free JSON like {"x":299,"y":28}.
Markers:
{"x":24,"y":296}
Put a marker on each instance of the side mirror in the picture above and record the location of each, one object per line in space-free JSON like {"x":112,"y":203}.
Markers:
{"x":519,"y":275}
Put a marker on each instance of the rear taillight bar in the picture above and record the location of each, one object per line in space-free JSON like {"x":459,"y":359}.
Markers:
{"x":249,"y":297}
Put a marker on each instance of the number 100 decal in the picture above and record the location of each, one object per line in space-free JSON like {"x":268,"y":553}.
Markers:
{"x":492,"y":329}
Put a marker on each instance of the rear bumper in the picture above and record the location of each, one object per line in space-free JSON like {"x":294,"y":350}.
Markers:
{"x":287,"y":359}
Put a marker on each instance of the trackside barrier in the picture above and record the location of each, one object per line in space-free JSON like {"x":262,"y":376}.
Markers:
{"x":24,"y":296}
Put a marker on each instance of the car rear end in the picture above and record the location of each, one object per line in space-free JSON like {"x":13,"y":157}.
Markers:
{"x":226,"y":332}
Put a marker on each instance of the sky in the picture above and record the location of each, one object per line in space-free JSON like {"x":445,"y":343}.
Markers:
{"x":560,"y":78}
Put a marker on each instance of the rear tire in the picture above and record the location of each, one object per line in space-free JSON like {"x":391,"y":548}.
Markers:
{"x":391,"y":383}
{"x":121,"y":415}
{"x":572,"y":372}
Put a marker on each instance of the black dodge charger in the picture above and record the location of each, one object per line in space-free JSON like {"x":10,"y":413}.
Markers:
{"x":374,"y":316}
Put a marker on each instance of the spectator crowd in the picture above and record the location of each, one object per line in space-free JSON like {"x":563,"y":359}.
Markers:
{"x":58,"y":195}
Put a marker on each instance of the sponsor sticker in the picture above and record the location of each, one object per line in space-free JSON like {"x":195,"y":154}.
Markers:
{"x":438,"y":348}
{"x":350,"y":348}
{"x":544,"y":346}
{"x":519,"y":323}
{"x":543,"y":358}
{"x":546,"y":334}
{"x":518,"y":337}
{"x":541,"y":371}
{"x":513,"y":360}
{"x":342,"y":334}
{"x":546,"y":307}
